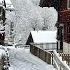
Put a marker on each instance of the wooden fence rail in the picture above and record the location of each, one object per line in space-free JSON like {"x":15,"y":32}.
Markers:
{"x":65,"y":57}
{"x":44,"y":55}
{"x":53,"y":58}
{"x":58,"y":63}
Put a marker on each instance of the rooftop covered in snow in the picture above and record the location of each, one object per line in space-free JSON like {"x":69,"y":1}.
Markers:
{"x":44,"y":36}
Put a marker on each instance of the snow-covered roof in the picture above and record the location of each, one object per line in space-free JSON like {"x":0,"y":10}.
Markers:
{"x":44,"y":36}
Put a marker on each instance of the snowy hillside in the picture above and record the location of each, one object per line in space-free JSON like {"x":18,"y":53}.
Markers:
{"x":29,"y":16}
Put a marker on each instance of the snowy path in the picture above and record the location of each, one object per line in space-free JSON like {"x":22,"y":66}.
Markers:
{"x":21,"y":59}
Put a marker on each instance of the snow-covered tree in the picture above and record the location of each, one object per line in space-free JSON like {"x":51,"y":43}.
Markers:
{"x":35,"y":2}
{"x":35,"y":19}
{"x":29,"y":16}
{"x":49,"y":16}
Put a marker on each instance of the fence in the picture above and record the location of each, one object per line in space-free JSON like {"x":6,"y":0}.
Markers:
{"x":65,"y":57}
{"x":49,"y":57}
{"x":44,"y":55}
{"x":58,"y":63}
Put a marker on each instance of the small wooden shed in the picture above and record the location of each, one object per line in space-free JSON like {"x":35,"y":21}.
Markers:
{"x":43,"y":39}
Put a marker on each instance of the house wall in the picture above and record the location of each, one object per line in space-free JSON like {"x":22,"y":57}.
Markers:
{"x":63,"y":5}
{"x":48,"y":46}
{"x":64,"y":18}
{"x":66,"y":48}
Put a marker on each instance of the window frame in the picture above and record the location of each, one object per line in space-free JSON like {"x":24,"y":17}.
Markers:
{"x":68,"y":4}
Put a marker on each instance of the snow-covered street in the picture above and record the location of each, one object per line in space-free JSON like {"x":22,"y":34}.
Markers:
{"x":22,"y":59}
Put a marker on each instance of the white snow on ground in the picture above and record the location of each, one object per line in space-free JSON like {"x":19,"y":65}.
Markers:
{"x":21,"y":59}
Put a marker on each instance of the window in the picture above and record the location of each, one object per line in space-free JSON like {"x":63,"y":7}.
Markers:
{"x":68,"y":4}
{"x":68,"y":28}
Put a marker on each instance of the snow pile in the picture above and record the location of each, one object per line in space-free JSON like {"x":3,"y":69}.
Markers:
{"x":20,"y":59}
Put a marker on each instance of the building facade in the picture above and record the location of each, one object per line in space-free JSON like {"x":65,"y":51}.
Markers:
{"x":64,"y":22}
